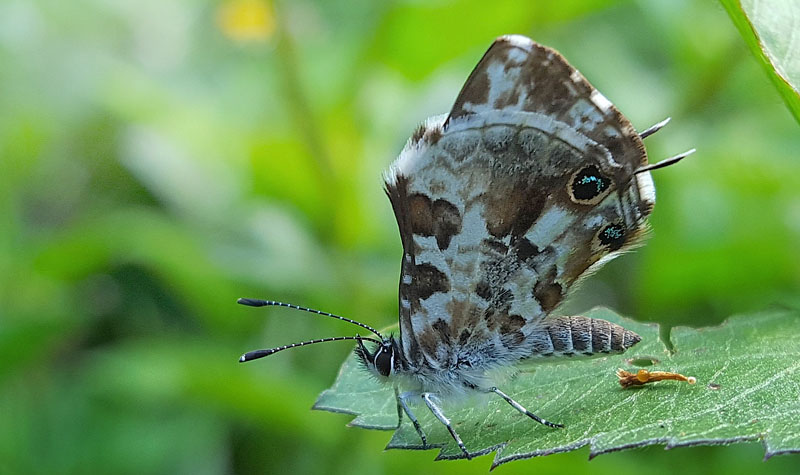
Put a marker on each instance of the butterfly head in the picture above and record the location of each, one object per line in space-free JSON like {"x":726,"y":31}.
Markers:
{"x":384,"y":361}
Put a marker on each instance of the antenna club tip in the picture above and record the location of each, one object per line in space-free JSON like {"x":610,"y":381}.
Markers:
{"x":250,"y":302}
{"x":242,"y":358}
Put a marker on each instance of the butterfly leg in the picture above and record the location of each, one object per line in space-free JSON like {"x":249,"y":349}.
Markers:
{"x":402,"y":406}
{"x":399,"y":408}
{"x":430,"y":401}
{"x":522,"y":409}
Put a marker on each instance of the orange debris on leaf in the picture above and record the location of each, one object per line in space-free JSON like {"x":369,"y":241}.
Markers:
{"x":642,"y":377}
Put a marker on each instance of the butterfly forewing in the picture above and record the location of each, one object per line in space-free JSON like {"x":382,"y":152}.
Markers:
{"x":518,"y":74}
{"x":505,"y":203}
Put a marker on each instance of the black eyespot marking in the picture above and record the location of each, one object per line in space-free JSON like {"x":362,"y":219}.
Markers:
{"x":612,"y":236}
{"x":383,"y":361}
{"x":588,"y":183}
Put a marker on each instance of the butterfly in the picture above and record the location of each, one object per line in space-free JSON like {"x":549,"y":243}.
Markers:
{"x":531,"y":182}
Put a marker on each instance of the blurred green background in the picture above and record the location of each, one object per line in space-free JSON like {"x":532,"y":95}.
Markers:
{"x":160,"y":159}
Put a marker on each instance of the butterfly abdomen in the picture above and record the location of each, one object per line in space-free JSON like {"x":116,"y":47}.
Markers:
{"x":581,"y":336}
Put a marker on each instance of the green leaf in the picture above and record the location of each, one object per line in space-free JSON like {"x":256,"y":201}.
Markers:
{"x":748,"y":381}
{"x":770,"y":28}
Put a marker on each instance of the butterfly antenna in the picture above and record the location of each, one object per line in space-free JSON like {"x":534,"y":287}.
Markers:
{"x":254,"y":355}
{"x":272,"y":303}
{"x":665,"y":163}
{"x":654,"y":128}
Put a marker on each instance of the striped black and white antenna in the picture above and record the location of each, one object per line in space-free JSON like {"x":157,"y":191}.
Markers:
{"x":254,"y":355}
{"x":666,"y":162}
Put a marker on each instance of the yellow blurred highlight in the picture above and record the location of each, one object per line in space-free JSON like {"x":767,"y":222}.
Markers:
{"x":246,"y":20}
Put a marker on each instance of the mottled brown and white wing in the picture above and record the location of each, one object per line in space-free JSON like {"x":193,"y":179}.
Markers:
{"x":519,"y":74}
{"x":506,"y":202}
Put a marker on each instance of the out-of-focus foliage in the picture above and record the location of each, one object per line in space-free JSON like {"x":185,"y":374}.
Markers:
{"x":160,"y":159}
{"x":770,"y":29}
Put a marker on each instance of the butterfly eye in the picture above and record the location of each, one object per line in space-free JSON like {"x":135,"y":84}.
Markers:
{"x":612,"y":236}
{"x":588,"y":185}
{"x":383,"y":361}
